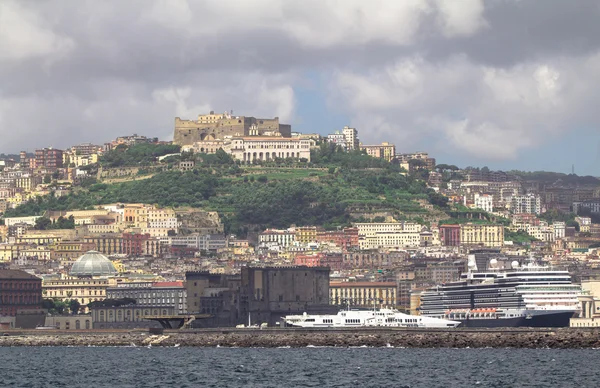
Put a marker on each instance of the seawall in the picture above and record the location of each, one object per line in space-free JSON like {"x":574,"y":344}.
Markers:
{"x":270,"y":338}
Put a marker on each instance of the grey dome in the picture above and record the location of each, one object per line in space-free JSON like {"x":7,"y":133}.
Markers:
{"x":93,"y":263}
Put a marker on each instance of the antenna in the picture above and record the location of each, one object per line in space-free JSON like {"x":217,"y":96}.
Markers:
{"x":573,"y":169}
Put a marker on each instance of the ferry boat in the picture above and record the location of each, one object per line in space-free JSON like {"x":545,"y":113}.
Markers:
{"x":527,"y":296}
{"x":363,"y":318}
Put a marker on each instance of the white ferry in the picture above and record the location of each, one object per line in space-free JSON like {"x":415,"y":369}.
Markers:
{"x":363,"y":318}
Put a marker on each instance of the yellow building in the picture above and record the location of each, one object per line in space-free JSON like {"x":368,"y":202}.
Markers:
{"x":108,"y":244}
{"x":40,"y":252}
{"x":306,"y":234}
{"x":209,"y":146}
{"x":375,"y":235}
{"x":385,"y":151}
{"x":27,"y":183}
{"x":70,"y":250}
{"x":482,"y":235}
{"x":590,"y":306}
{"x":136,"y":215}
{"x":42,"y":237}
{"x":84,"y":290}
{"x":18,"y":199}
{"x":74,"y":160}
{"x":8,"y":252}
{"x":104,"y":228}
{"x":363,"y":294}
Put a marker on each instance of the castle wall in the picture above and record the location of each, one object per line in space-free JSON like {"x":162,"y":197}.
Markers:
{"x":188,"y":132}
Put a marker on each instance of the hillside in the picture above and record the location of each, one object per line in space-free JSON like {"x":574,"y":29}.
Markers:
{"x":549,"y":178}
{"x":334,"y":190}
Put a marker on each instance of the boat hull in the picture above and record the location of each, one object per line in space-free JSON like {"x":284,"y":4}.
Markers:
{"x":560,"y":319}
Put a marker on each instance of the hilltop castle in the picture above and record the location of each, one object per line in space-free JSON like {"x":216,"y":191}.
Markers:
{"x":218,"y":126}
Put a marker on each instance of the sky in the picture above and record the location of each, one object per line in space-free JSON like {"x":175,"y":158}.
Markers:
{"x":508,"y":84}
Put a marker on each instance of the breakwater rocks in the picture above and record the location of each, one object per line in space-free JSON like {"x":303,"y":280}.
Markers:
{"x":270,"y":338}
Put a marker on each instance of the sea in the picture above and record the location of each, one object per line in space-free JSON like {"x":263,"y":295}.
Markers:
{"x":291,"y":367}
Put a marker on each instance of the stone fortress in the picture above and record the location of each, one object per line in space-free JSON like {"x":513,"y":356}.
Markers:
{"x":222,"y":125}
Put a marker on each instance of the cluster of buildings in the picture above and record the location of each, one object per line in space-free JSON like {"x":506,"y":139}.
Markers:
{"x":251,"y":139}
{"x":122,"y":229}
{"x":52,"y":170}
{"x":135,"y":265}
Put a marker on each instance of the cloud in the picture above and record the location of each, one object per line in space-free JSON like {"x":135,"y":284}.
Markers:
{"x":460,"y":18}
{"x":26,"y":35}
{"x":490,"y":80}
{"x":487,"y":112}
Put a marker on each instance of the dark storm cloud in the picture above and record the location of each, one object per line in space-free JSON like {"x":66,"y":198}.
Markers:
{"x":90,"y":70}
{"x":519,"y":31}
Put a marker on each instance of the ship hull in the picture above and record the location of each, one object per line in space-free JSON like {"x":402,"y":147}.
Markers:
{"x":560,"y":319}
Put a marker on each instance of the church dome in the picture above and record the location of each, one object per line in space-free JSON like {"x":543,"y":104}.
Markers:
{"x":93,"y":263}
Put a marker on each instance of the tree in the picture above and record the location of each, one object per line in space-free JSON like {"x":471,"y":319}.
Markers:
{"x":437,"y":199}
{"x":74,"y":306}
{"x":42,"y":223}
{"x":55,"y":306}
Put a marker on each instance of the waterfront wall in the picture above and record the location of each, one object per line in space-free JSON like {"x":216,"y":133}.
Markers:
{"x":560,"y":338}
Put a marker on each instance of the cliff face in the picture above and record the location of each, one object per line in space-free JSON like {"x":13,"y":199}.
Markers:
{"x":198,"y":221}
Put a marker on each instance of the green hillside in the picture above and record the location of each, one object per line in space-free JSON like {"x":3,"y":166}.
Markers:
{"x":331,"y":191}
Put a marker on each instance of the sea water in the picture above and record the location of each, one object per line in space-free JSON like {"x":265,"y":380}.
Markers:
{"x":288,"y":367}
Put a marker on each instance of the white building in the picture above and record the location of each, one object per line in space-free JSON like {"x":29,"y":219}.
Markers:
{"x":542,"y":232}
{"x":190,"y":241}
{"x":560,"y":229}
{"x":337,"y":138}
{"x":283,"y":238}
{"x":484,"y":202}
{"x":593,"y":205}
{"x":374,"y":235}
{"x":351,"y":137}
{"x":528,"y":203}
{"x":10,"y":221}
{"x":249,"y":149}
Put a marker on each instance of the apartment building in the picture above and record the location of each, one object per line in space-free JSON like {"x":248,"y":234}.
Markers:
{"x":528,"y":203}
{"x":49,"y":158}
{"x":484,"y":202}
{"x":384,"y":150}
{"x":351,"y":138}
{"x":388,"y":235}
{"x":482,"y":235}
{"x":283,"y":238}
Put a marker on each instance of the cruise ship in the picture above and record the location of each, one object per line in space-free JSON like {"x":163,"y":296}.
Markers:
{"x":527,"y":296}
{"x":362,"y":318}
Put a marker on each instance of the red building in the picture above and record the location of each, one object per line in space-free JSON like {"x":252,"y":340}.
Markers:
{"x":140,"y":244}
{"x":49,"y":157}
{"x":182,"y":251}
{"x":346,"y":238}
{"x":450,"y":235}
{"x":308,"y":260}
{"x":19,"y":291}
{"x":334,"y":261}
